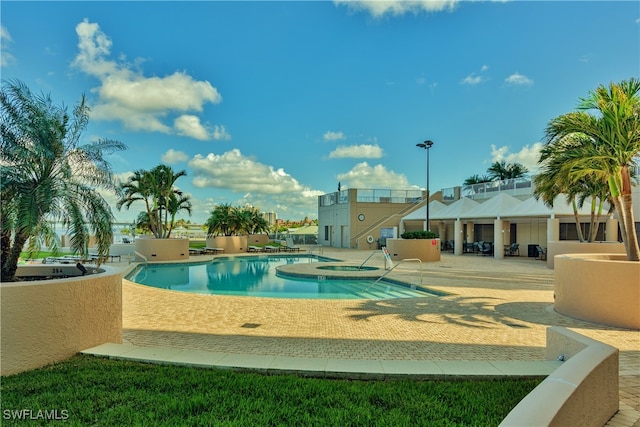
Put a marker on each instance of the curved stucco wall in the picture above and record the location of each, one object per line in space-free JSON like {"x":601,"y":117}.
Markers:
{"x":600,"y":288}
{"x":48,"y":321}
{"x":561,"y":247}
{"x":583,"y":391}
{"x":427,"y":250}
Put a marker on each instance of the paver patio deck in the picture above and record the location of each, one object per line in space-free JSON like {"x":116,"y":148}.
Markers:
{"x":496,"y":310}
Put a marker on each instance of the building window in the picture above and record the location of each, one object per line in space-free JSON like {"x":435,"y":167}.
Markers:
{"x":326,"y":232}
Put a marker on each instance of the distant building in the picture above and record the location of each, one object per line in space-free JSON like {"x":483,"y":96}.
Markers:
{"x":502,"y":212}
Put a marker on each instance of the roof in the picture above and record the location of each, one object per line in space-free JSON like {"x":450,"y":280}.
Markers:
{"x":456,"y":209}
{"x":435,"y":206}
{"x":494,"y":207}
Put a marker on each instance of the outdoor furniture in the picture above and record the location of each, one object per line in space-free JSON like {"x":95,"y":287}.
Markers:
{"x":542,"y":253}
{"x":270,"y":248}
{"x":254,"y":249}
{"x":512,"y":250}
{"x":486,"y":248}
{"x":126,"y":240}
{"x":193,"y":251}
{"x":290,"y":247}
{"x":213,"y":251}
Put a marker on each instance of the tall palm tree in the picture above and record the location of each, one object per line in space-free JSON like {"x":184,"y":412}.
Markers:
{"x":614,"y":133}
{"x":501,"y":170}
{"x":177,"y":202}
{"x":554,"y":180}
{"x":156,"y":188}
{"x":48,"y":176}
{"x":220,"y":221}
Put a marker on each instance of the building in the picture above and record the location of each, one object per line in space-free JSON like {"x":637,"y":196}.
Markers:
{"x":502,"y":213}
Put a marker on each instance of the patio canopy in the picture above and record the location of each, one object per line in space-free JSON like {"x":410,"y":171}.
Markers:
{"x":435,"y":206}
{"x":536,"y":208}
{"x":455,"y":210}
{"x":494,"y":207}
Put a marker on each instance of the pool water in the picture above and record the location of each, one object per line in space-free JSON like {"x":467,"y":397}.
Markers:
{"x":256,"y":276}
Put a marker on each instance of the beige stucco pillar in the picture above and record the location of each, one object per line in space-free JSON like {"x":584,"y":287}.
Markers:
{"x":457,"y":237}
{"x":611,"y":230}
{"x":470,"y":236}
{"x":442,"y":231}
{"x":498,"y":239}
{"x":553,"y":230}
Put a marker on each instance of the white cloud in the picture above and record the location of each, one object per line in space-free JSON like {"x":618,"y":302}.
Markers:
{"x":234,"y":171}
{"x":472,"y":79}
{"x":141,"y":103}
{"x":263,"y":186}
{"x":527,"y":156}
{"x":6,"y":58}
{"x":189,"y":125}
{"x":518,"y":79}
{"x":172,"y":156}
{"x":362,"y":151}
{"x":379,"y":8}
{"x":333,"y":136}
{"x":365,"y":176}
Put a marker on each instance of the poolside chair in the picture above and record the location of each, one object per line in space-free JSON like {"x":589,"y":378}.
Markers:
{"x":126,"y":240}
{"x":542,"y":253}
{"x":290,"y":247}
{"x":254,"y":249}
{"x":486,"y":248}
{"x":512,"y":250}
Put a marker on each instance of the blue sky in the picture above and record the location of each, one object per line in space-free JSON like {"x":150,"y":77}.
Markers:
{"x":274,"y":103}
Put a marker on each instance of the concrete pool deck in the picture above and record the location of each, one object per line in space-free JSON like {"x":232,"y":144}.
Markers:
{"x":494,"y":320}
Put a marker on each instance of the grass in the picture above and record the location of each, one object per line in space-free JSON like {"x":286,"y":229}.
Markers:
{"x":103,"y":392}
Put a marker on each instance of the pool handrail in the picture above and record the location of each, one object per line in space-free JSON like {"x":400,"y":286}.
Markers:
{"x":367,"y":259}
{"x":391,"y":269}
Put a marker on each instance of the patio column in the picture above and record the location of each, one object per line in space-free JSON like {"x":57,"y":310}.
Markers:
{"x":470,"y":237}
{"x":553,"y":230}
{"x":611,"y":230}
{"x":442,"y":231}
{"x":498,"y":239}
{"x":457,"y":237}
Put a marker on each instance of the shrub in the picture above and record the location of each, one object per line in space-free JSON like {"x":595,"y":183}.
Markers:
{"x":419,"y":235}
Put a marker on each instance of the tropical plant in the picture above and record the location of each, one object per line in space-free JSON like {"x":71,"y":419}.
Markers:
{"x":47,"y":176}
{"x":156,"y":188}
{"x":608,"y":150}
{"x":477,"y":179}
{"x":501,"y":170}
{"x":554,"y":181}
{"x":420,"y":234}
{"x":228,"y":220}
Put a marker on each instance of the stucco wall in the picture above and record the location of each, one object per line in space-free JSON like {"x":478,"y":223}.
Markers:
{"x":50,"y":320}
{"x":163,"y":249}
{"x":600,"y":288}
{"x":562,"y":247}
{"x":230,"y":244}
{"x":427,"y":250}
{"x":584,"y":391}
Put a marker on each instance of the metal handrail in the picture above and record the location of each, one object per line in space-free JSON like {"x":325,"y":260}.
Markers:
{"x":144,"y":258}
{"x":368,"y":258}
{"x":391,"y":269}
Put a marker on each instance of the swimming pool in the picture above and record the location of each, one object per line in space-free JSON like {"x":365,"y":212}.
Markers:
{"x":256,"y":276}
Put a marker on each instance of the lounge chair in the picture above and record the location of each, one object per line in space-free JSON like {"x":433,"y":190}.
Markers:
{"x":290,"y":247}
{"x":542,"y":253}
{"x":213,"y":251}
{"x":270,"y":248}
{"x":254,"y":249}
{"x":512,"y":250}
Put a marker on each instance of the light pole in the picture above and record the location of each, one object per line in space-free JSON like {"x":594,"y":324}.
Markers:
{"x":426,"y":145}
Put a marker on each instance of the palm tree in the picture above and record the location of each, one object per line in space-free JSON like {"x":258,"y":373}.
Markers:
{"x":614,"y":136}
{"x":553,"y":181}
{"x":501,"y":170}
{"x":162,"y":199}
{"x":48,"y":176}
{"x":220,"y":221}
{"x":477,"y":179}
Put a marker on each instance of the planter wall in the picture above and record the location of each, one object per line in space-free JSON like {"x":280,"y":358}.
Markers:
{"x":426,"y":250}
{"x":600,"y":288}
{"x":230,"y":244}
{"x":163,"y":249}
{"x":47,"y":321}
{"x":257,"y":239}
{"x":561,"y":247}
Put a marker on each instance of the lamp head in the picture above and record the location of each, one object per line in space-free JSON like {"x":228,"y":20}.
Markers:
{"x":426,"y":145}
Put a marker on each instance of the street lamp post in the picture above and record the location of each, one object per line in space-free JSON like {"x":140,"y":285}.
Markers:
{"x":426,"y":145}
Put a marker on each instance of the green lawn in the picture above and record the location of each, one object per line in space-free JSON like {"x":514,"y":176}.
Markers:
{"x":94,"y":391}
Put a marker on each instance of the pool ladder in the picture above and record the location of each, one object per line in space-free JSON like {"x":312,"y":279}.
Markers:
{"x":391,"y":269}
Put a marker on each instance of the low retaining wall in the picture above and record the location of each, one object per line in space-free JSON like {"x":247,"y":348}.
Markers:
{"x":47,"y":321}
{"x":229,"y":244}
{"x":584,"y":391}
{"x":562,"y":247}
{"x":163,"y":249}
{"x":426,"y":250}
{"x":600,"y":288}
